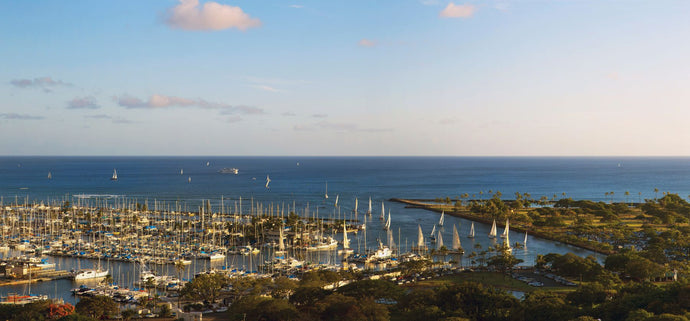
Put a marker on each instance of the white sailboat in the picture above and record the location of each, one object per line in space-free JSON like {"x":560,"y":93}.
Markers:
{"x":471,"y":235}
{"x":506,"y":230}
{"x":336,"y":200}
{"x":114,"y":178}
{"x":281,"y":242}
{"x":268,"y":181}
{"x":383,"y":212}
{"x":439,"y":240}
{"x":356,"y":205}
{"x":457,"y":247}
{"x":506,"y":244}
{"x":189,"y":179}
{"x":492,"y":232}
{"x":369,"y":211}
{"x":387,"y":225}
{"x":326,"y":195}
{"x":524,"y":243}
{"x":181,"y":171}
{"x":87,"y":274}
{"x":432,"y":235}
{"x":420,"y":240}
{"x":441,"y":220}
{"x":50,"y":175}
{"x":346,"y":242}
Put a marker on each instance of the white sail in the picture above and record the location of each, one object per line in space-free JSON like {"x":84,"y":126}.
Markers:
{"x":420,"y":237}
{"x":281,"y":243}
{"x":50,"y":175}
{"x":346,"y":241}
{"x":524,"y":243}
{"x":369,"y":211}
{"x":388,"y":221}
{"x":471,"y":235}
{"x":181,"y":171}
{"x":440,"y":221}
{"x":383,"y":211}
{"x":506,"y":243}
{"x":268,"y":181}
{"x":433,"y":232}
{"x":456,"y":240}
{"x":492,"y":232}
{"x":326,"y":195}
{"x":507,"y":229}
{"x":114,"y":178}
{"x":336,"y":201}
{"x":391,"y":243}
{"x":356,"y":204}
{"x":439,"y":240}
{"x":189,"y":179}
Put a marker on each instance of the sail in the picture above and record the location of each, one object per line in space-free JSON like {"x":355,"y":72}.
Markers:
{"x":336,"y":200}
{"x":524,"y":243}
{"x":356,"y":204}
{"x":391,"y":243}
{"x":50,"y":175}
{"x":471,"y":235}
{"x":326,"y":195}
{"x":281,"y":243}
{"x":181,"y":171}
{"x":420,"y":237}
{"x":492,"y":232}
{"x":433,"y":231}
{"x":268,"y":181}
{"x":369,"y":211}
{"x":506,"y":243}
{"x":456,"y":239}
{"x":440,"y":221}
{"x":383,"y":211}
{"x":439,"y":240}
{"x":114,"y":178}
{"x":346,"y":241}
{"x":507,"y":229}
{"x":388,"y":221}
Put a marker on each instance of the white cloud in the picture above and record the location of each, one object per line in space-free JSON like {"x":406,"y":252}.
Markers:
{"x":161,"y":101}
{"x":19,"y":116}
{"x":268,"y":88}
{"x":114,"y":120}
{"x":188,"y":15}
{"x":83,"y":103}
{"x":367,"y":43}
{"x":42,"y":82}
{"x":296,"y":6}
{"x":457,"y":11}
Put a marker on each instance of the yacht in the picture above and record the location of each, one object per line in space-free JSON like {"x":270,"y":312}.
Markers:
{"x":89,"y":274}
{"x":227,"y":170}
{"x":114,"y":178}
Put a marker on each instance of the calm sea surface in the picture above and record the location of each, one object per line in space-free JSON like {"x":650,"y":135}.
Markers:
{"x":303,"y":180}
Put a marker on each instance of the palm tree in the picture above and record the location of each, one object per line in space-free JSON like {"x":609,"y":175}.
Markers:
{"x":627,"y":196}
{"x":656,"y":193}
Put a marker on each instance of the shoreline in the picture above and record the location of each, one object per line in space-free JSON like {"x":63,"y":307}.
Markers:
{"x":410,"y":203}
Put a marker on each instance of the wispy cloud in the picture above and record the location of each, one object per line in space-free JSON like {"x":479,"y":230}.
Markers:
{"x":189,"y":15}
{"x":429,"y":2}
{"x":162,"y":101}
{"x":319,"y":115}
{"x":296,"y":6}
{"x":346,"y":127}
{"x":114,"y":120}
{"x":234,"y":119}
{"x":42,"y":82}
{"x":457,"y":11}
{"x":83,"y":103}
{"x":268,"y":88}
{"x":16,"y":116}
{"x":367,"y":43}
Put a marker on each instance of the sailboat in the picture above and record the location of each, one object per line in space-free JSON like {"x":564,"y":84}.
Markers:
{"x":281,"y":243}
{"x":181,"y":171}
{"x":356,"y":205}
{"x":336,"y":201}
{"x":506,"y":244}
{"x":383,"y":212}
{"x":387,"y":225}
{"x":432,"y":235}
{"x":439,"y":240}
{"x":90,"y":273}
{"x":492,"y":232}
{"x":50,"y":175}
{"x":326,"y":195}
{"x":506,"y":230}
{"x":440,"y":221}
{"x":346,"y":242}
{"x":114,"y":178}
{"x":189,"y":179}
{"x":369,"y":211}
{"x":524,"y":243}
{"x":420,"y":240}
{"x":268,"y":181}
{"x":471,"y":235}
{"x":457,"y":247}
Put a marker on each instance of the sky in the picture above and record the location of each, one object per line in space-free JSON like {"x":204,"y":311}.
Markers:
{"x":352,"y":78}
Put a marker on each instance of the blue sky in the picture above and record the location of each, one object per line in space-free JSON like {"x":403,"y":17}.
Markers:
{"x":487,"y":77}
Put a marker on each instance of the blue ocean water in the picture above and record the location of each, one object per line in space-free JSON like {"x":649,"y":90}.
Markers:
{"x":303,"y":180}
{"x":379,"y":177}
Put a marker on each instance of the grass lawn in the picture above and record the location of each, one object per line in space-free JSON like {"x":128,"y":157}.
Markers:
{"x":492,"y":279}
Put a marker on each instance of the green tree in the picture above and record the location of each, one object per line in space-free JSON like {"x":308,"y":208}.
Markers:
{"x":205,"y":287}
{"x":97,"y":307}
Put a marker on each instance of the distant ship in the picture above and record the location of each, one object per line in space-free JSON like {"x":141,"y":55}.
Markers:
{"x":227,"y":170}
{"x":114,"y":178}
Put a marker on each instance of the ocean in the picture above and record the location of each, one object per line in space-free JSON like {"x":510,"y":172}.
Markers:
{"x":304,"y":181}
